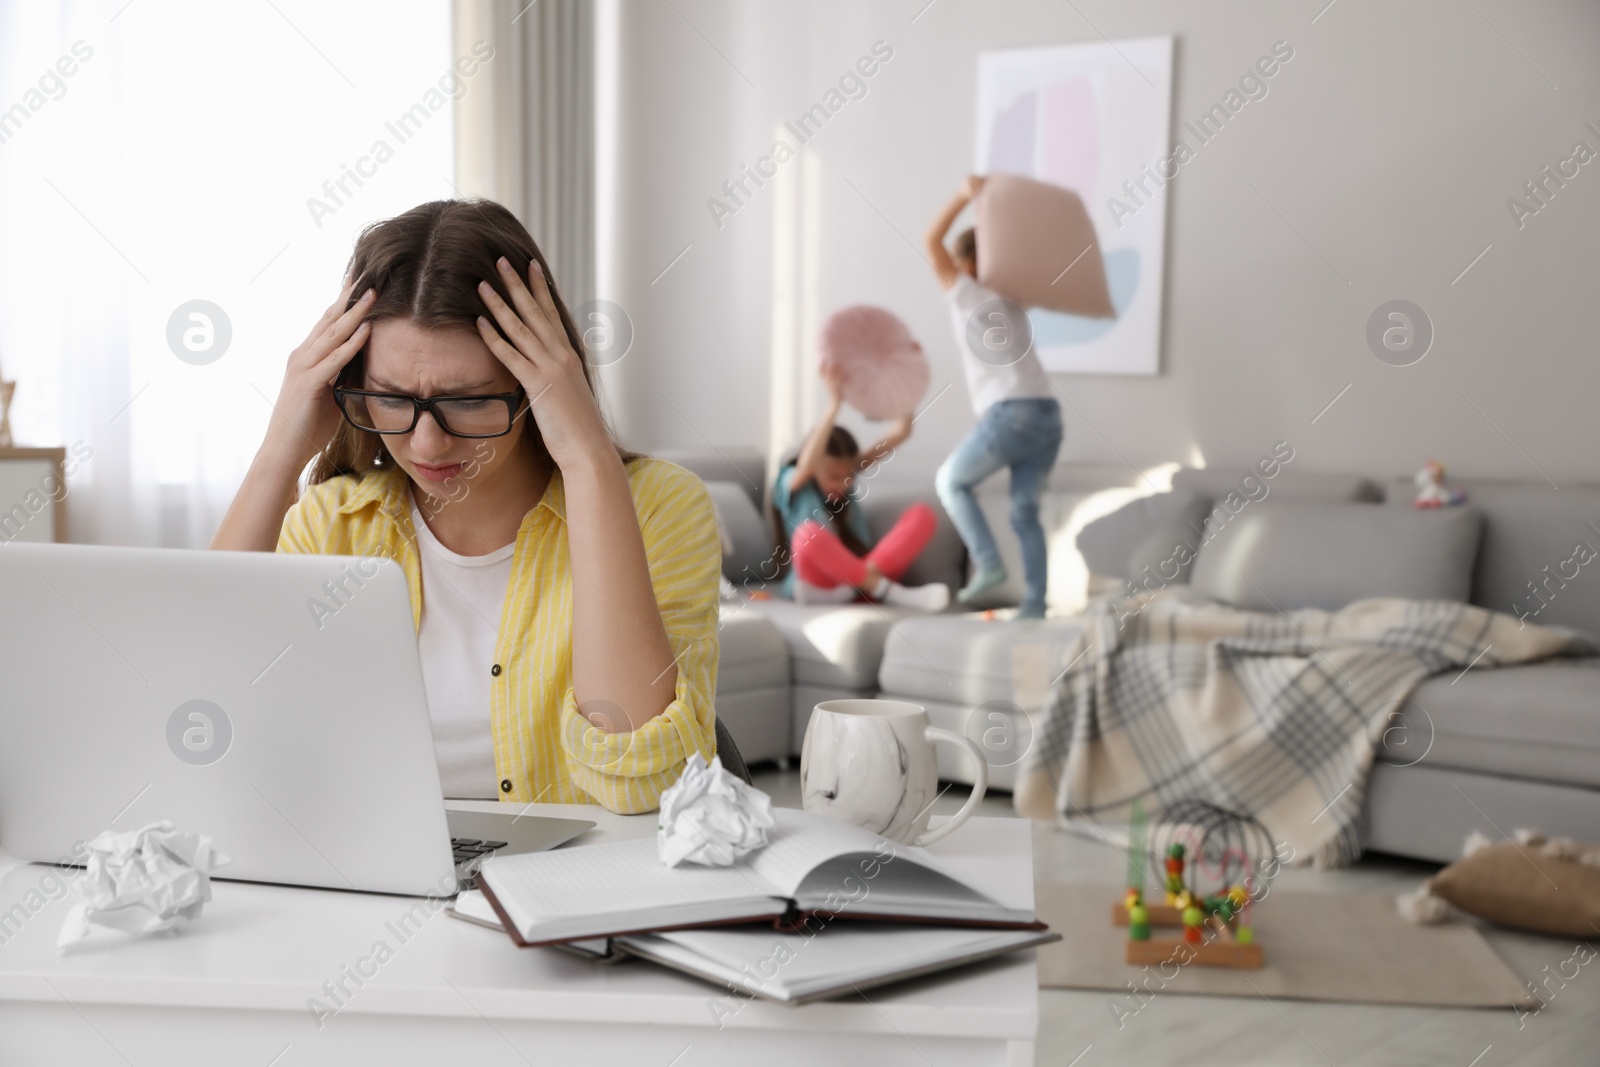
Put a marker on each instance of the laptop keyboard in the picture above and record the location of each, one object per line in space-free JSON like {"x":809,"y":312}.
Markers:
{"x":466,"y":849}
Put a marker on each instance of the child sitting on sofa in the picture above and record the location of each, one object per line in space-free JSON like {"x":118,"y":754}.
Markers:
{"x":817,"y":516}
{"x":1019,"y":423}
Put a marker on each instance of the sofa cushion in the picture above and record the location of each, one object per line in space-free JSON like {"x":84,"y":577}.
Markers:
{"x":745,"y":467}
{"x":1144,"y":533}
{"x":751,"y":547}
{"x":1533,"y":534}
{"x":752,"y":651}
{"x":964,"y":660}
{"x":1254,"y":483}
{"x":1325,"y":556}
{"x":1427,"y":811}
{"x":837,"y":645}
{"x":759,"y":720}
{"x":1064,"y":510}
{"x":1539,"y":720}
{"x":975,"y":721}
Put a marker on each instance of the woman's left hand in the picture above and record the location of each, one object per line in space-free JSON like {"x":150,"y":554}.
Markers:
{"x":543,"y":360}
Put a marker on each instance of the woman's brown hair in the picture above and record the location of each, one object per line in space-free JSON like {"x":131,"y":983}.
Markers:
{"x":426,"y":264}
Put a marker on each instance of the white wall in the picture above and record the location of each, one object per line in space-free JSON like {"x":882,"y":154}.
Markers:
{"x":1391,"y":143}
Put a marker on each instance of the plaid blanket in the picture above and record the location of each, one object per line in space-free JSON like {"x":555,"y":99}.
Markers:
{"x":1276,"y":715}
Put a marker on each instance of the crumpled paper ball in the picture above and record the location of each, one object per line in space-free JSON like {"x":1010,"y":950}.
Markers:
{"x":711,"y":816}
{"x":142,"y":881}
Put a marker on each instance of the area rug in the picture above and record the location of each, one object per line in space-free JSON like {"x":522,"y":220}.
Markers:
{"x":1351,"y":947}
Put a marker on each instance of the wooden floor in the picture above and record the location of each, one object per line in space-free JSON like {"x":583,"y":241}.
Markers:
{"x":1078,"y":1029}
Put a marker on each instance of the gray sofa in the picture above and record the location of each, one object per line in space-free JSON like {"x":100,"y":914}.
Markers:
{"x":1515,"y":746}
{"x":1490,"y":750}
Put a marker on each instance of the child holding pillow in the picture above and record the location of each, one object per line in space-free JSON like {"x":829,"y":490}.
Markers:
{"x":1019,"y":420}
{"x":817,"y":512}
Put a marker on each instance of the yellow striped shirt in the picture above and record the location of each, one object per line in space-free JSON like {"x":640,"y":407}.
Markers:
{"x":544,"y":749}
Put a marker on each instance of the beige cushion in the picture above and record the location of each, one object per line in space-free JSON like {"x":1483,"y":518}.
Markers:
{"x":1028,"y":233}
{"x":1519,"y":886}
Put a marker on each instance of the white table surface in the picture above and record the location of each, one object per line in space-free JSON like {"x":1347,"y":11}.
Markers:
{"x":234,"y":987}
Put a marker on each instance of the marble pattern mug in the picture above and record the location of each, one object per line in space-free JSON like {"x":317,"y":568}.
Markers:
{"x":870,"y":762}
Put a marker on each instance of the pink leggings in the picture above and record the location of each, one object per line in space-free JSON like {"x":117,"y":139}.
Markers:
{"x":822,"y":560}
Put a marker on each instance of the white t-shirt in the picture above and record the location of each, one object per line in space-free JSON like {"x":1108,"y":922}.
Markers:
{"x":987,"y":379}
{"x":462,"y":600}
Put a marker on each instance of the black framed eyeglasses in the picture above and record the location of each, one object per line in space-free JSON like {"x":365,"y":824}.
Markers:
{"x":460,"y":416}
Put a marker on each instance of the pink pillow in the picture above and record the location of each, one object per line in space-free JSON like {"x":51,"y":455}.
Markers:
{"x":1028,"y":233}
{"x":885,"y":372}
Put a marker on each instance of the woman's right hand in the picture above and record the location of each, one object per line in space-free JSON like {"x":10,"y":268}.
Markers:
{"x":306,"y":415}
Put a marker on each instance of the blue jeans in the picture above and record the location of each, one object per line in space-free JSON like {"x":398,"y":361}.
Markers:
{"x":1024,"y":435}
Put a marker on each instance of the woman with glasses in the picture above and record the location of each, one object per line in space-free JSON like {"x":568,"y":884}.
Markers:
{"x":565,"y":590}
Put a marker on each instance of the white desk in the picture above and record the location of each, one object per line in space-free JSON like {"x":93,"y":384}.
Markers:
{"x":232,"y":989}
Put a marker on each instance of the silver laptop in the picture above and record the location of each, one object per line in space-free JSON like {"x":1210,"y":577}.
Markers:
{"x":274,"y":702}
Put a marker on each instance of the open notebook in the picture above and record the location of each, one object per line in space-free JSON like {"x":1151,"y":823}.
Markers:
{"x":812,"y":870}
{"x":797,"y":967}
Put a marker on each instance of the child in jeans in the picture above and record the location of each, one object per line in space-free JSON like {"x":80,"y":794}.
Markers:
{"x":1019,"y":422}
{"x":817,"y":514}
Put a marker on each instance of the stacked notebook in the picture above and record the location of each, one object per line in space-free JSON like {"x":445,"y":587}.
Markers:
{"x":824,"y":909}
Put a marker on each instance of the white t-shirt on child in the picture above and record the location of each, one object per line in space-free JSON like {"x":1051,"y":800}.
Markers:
{"x":986,"y":381}
{"x":463,"y":597}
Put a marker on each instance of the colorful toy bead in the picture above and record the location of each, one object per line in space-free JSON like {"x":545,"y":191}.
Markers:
{"x":1245,"y":935}
{"x":1138,"y":915}
{"x":1191,"y":934}
{"x":1175,"y":850}
{"x":1138,"y":931}
{"x":1238,"y":895}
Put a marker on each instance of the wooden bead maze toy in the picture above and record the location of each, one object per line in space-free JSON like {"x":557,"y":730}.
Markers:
{"x":1196,"y":839}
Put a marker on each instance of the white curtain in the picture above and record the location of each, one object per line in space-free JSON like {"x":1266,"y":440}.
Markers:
{"x":155,"y":154}
{"x":529,"y":142}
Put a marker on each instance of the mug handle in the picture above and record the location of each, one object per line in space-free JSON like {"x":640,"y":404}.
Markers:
{"x":979,"y":787}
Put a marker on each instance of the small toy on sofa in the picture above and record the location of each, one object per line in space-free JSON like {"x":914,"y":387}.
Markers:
{"x":1431,"y":490}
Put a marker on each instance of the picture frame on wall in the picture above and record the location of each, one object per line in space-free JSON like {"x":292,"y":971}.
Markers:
{"x":1095,"y":119}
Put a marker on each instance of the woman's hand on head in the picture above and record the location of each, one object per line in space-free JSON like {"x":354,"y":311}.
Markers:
{"x":306,"y":416}
{"x":542,"y":358}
